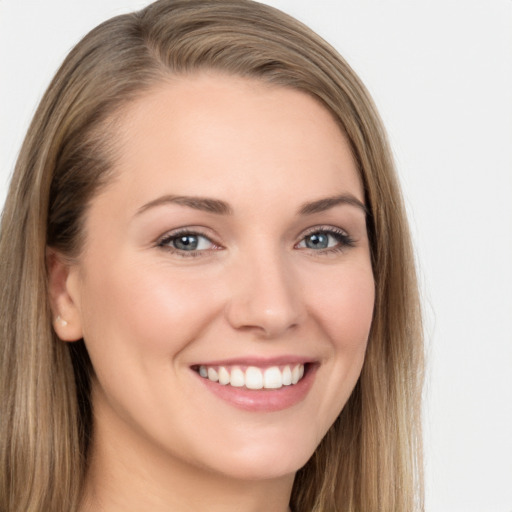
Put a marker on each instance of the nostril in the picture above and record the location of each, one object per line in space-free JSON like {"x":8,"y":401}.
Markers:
{"x":267,"y":322}
{"x":263,"y":294}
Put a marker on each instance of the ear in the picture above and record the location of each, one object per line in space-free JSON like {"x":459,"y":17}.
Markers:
{"x":64,"y":297}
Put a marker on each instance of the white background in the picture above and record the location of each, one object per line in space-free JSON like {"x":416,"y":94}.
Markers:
{"x":440,"y":72}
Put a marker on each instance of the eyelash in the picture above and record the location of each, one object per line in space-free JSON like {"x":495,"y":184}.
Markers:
{"x":166,"y":241}
{"x":342,"y":237}
{"x":344,"y":241}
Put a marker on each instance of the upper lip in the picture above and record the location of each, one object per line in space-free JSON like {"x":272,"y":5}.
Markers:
{"x":261,"y":362}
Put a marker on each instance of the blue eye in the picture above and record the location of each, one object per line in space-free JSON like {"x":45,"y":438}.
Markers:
{"x":318,"y":241}
{"x":186,"y":242}
{"x":326,"y":240}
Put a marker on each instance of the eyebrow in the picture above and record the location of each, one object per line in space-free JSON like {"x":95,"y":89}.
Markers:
{"x":197,"y":203}
{"x":330,"y":202}
{"x":222,"y":208}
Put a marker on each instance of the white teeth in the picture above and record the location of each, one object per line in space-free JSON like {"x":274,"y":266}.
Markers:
{"x":295,"y":374}
{"x":223,"y":376}
{"x":253,"y":378}
{"x":273,"y":377}
{"x":213,"y":375}
{"x":237,"y":378}
{"x":287,"y":376}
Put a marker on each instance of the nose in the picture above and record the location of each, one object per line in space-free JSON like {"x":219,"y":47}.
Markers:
{"x":265,"y":297}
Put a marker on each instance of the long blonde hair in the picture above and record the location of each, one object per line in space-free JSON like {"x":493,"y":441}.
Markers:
{"x":371,"y":458}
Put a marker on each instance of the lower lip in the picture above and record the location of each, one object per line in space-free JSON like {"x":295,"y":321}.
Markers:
{"x":263,"y":400}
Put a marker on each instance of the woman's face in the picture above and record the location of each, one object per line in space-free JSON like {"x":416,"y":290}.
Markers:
{"x":231,"y":244}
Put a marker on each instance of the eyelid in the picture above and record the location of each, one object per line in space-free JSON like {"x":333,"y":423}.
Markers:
{"x":163,"y":241}
{"x":327,"y":228}
{"x":345,"y":242}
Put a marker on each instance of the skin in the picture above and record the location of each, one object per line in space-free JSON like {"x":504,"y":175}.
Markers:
{"x":162,"y":440}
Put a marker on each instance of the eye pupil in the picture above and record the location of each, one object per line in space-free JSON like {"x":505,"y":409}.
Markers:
{"x":317,"y":241}
{"x":186,"y":242}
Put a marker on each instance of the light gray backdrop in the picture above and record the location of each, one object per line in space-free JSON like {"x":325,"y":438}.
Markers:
{"x":441,"y":74}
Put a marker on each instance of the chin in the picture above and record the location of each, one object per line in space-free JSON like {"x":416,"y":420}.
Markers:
{"x":259,"y":468}
{"x":260,"y":459}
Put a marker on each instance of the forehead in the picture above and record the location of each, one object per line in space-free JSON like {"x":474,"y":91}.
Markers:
{"x":214,"y":135}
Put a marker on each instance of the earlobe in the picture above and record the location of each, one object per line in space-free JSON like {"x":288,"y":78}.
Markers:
{"x":63,"y":296}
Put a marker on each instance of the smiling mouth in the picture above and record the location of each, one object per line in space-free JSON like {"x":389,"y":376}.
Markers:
{"x":253,"y":377}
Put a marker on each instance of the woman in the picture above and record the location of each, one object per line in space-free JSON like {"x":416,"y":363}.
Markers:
{"x":209,"y":295}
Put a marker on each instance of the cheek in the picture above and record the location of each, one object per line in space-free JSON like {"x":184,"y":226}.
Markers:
{"x":146,"y":307}
{"x":342,"y":307}
{"x":345,"y":306}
